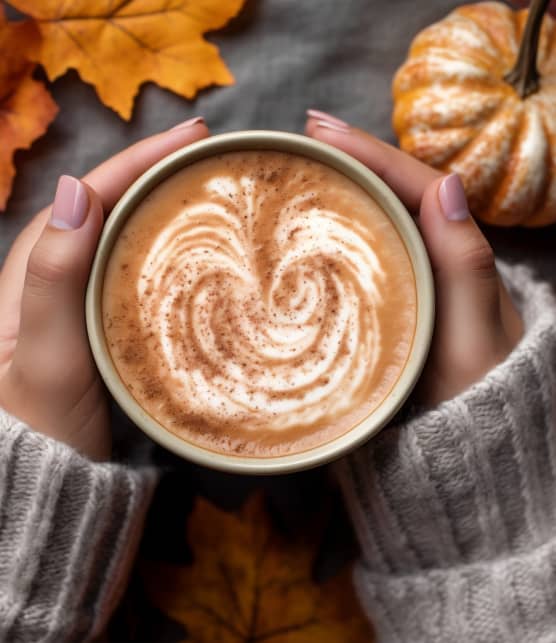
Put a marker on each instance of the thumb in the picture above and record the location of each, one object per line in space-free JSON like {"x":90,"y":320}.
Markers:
{"x":458,"y":250}
{"x":52,"y":327}
{"x":469,"y":324}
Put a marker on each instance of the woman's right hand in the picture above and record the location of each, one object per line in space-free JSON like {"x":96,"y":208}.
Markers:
{"x":48,"y":378}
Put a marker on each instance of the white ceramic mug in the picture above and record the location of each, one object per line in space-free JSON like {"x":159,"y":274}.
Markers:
{"x":357,"y":172}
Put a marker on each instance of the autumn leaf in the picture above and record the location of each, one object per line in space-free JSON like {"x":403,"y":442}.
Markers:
{"x":116,"y":45}
{"x":248,"y":584}
{"x":26,"y":107}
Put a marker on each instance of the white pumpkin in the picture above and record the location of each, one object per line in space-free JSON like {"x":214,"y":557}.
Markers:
{"x":456,"y":109}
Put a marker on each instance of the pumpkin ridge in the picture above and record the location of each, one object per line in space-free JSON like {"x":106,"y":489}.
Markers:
{"x":540,"y":212}
{"x":483,"y":26}
{"x":547,"y":45}
{"x":484,"y":59}
{"x":478,"y":202}
{"x":445,"y":166}
{"x":419,"y":144}
{"x":495,"y":213}
{"x":405,"y":117}
{"x":463,"y":150}
{"x":446,"y":35}
{"x":438,"y":61}
{"x":492,"y":213}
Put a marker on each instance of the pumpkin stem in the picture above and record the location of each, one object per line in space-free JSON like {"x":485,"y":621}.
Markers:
{"x":525,"y":76}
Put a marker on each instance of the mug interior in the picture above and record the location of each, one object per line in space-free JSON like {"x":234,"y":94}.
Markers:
{"x":354,"y":170}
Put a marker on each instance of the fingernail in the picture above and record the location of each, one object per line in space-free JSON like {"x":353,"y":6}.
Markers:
{"x":70,"y":204}
{"x":189,"y":123}
{"x":452,"y":198}
{"x":333,"y":126}
{"x":327,"y":118}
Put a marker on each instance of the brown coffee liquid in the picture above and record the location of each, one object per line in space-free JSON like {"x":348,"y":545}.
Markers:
{"x":259,"y":303}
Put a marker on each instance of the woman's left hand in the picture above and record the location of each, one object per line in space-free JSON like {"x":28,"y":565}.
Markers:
{"x":477,"y":324}
{"x":48,"y":377}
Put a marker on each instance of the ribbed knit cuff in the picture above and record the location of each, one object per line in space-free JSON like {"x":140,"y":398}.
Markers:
{"x":69,"y":530}
{"x":456,"y":509}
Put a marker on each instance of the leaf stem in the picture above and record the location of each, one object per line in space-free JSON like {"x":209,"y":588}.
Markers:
{"x":524,"y":77}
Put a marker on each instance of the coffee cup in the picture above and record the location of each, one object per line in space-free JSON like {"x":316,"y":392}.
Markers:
{"x":292,"y":308}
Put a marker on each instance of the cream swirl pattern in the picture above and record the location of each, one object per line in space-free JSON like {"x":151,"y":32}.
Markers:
{"x":259,"y":303}
{"x":287,"y":347}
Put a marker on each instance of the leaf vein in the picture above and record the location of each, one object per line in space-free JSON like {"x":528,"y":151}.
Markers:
{"x":78,"y":44}
{"x":294,"y":627}
{"x":209,"y":611}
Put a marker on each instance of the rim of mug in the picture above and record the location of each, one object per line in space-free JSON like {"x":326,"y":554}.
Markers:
{"x":300,"y":145}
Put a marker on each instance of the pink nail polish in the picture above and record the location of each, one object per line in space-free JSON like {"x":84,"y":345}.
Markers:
{"x":452,"y":198}
{"x":323,"y":116}
{"x":334,"y":126}
{"x":71,"y":204}
{"x":189,"y":123}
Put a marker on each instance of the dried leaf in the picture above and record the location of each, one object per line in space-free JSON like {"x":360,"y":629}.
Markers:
{"x":26,"y":107}
{"x":118,"y":45}
{"x":248,"y":584}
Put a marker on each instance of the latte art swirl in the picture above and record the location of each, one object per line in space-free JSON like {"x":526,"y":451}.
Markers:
{"x":259,"y":303}
{"x":279,"y":332}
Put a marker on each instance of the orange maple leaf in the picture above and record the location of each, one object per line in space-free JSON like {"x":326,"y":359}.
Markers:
{"x":118,"y":45}
{"x":26,"y":107}
{"x":248,"y":584}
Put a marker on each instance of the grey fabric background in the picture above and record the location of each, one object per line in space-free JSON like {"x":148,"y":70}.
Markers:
{"x":286,"y":55}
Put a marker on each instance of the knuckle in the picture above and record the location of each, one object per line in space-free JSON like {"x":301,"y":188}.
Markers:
{"x":43,"y":270}
{"x":479,"y":259}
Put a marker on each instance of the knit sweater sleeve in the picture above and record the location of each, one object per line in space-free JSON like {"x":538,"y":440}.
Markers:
{"x":69,"y":529}
{"x":455,"y":509}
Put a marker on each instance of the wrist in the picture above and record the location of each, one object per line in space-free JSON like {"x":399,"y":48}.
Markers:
{"x":84,"y":426}
{"x":470,"y":480}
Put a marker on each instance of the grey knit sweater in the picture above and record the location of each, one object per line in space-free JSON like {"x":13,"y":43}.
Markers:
{"x":455,"y":510}
{"x":69,"y":530}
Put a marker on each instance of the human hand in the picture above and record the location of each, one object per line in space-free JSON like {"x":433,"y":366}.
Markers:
{"x":48,"y":377}
{"x":477,"y":324}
